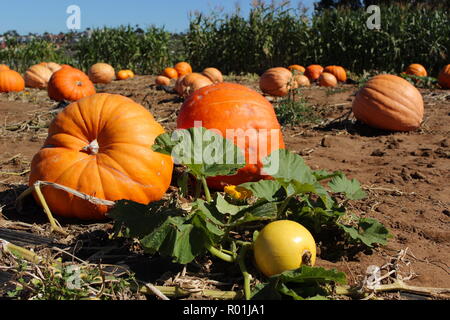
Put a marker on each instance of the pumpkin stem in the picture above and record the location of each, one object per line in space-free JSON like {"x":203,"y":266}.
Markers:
{"x":79,"y":83}
{"x":92,"y":148}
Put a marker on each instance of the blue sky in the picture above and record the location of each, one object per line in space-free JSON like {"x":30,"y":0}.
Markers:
{"x":50,"y":15}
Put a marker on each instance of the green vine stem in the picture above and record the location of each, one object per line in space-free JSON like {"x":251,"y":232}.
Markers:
{"x":205,"y":187}
{"x":220,"y":254}
{"x":247,"y":276}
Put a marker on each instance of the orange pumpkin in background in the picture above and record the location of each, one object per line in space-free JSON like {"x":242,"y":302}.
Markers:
{"x":11,"y":81}
{"x":444,"y":77}
{"x":313,"y":72}
{"x":69,"y":84}
{"x":416,"y":70}
{"x":192,"y":82}
{"x":297,"y":68}
{"x":327,"y":80}
{"x":337,"y":71}
{"x":101,"y":73}
{"x":183,"y":68}
{"x":162,"y":81}
{"x":39,"y":75}
{"x":277,"y":82}
{"x":229,"y":106}
{"x":125,"y":74}
{"x":101,"y":146}
{"x":170,"y":73}
{"x":389,"y":102}
{"x":302,"y":80}
{"x":213,"y":74}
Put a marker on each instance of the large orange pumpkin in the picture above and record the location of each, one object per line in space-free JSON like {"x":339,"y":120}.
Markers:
{"x":313,"y":72}
{"x":213,"y":74}
{"x":251,"y":117}
{"x":183,"y":68}
{"x":69,"y":84}
{"x":277,"y":82}
{"x":416,"y":70}
{"x":444,"y":77}
{"x":101,"y":146}
{"x":389,"y":102}
{"x":39,"y":75}
{"x":101,"y":73}
{"x":337,"y":71}
{"x":11,"y":81}
{"x":327,"y":80}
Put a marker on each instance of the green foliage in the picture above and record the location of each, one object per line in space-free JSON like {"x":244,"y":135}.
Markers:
{"x":147,"y":52}
{"x":297,"y":192}
{"x":305,"y":283}
{"x":279,"y":36}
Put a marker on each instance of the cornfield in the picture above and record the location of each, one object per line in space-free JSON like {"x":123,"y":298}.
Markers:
{"x":280,"y":36}
{"x":272,"y":35}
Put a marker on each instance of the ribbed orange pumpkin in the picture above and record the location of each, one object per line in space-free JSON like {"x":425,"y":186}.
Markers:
{"x":277,"y":82}
{"x":302,"y":80}
{"x":162,"y":81}
{"x":69,"y":84}
{"x":101,"y":146}
{"x":11,"y":81}
{"x":170,"y":73}
{"x":327,"y":80}
{"x":39,"y":75}
{"x":389,"y":102}
{"x":337,"y":71}
{"x":313,"y":72}
{"x":192,"y":82}
{"x":416,"y":70}
{"x":229,"y":106}
{"x":52,"y":66}
{"x":101,"y":73}
{"x":3,"y":67}
{"x":213,"y":74}
{"x":444,"y":77}
{"x":297,"y":68}
{"x":183,"y":68}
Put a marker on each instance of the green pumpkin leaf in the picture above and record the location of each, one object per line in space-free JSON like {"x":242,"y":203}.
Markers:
{"x":204,"y":152}
{"x":369,"y":231}
{"x":351,"y":188}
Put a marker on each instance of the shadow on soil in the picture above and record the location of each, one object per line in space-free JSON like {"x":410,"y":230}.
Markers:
{"x":354,"y":128}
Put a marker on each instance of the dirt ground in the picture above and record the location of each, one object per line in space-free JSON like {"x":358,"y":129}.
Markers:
{"x":406,"y":175}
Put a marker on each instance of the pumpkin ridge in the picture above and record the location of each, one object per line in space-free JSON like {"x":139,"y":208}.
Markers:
{"x":391,"y":100}
{"x":392,"y":110}
{"x":391,"y":94}
{"x":122,"y":172}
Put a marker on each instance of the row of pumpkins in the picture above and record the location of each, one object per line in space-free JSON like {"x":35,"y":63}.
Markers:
{"x":63,"y":82}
